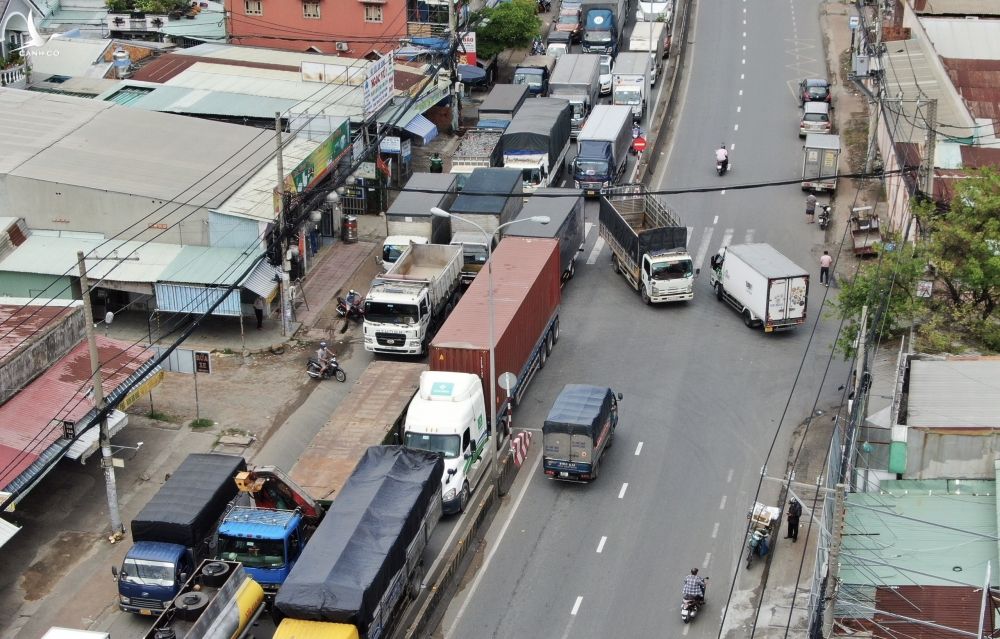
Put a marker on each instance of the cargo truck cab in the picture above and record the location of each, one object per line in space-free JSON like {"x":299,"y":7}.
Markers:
{"x":267,"y":543}
{"x":448,"y":417}
{"x":474,"y":253}
{"x":151,"y":575}
{"x":668,"y":276}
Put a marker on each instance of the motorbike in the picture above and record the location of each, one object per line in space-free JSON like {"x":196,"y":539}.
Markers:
{"x":691,"y":606}
{"x":721,"y":166}
{"x":763,"y":519}
{"x":824,"y":216}
{"x":537,"y":46}
{"x":544,"y":6}
{"x":353,"y":307}
{"x":636,"y":134}
{"x":333,"y":369}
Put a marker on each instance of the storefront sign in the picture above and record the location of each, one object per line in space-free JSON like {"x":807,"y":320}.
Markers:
{"x":467,"y":52}
{"x":389,"y":144}
{"x":379,"y":84}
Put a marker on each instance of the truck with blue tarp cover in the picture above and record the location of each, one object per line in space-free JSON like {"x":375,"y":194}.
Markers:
{"x":579,"y":429}
{"x":365,"y":559}
{"x":175,"y":531}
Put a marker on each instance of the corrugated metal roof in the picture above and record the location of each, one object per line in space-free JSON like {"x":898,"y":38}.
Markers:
{"x":954,"y":393}
{"x":27,"y":426}
{"x":255,"y":197}
{"x":96,"y":144}
{"x":48,"y":254}
{"x":261,"y":280}
{"x":71,"y":57}
{"x":880,"y":549}
{"x":172,"y":99}
{"x":21,"y":320}
{"x":962,"y":38}
{"x":129,"y":95}
{"x":956,"y":7}
{"x":208,"y":265}
{"x":978,"y":82}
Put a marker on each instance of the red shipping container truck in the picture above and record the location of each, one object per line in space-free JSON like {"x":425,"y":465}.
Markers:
{"x":526,"y":295}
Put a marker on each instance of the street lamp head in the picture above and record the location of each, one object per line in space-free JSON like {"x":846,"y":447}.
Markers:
{"x":540,"y":219}
{"x":439,"y":212}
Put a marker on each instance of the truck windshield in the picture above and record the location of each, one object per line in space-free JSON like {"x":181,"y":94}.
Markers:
{"x":578,"y":110}
{"x":672,"y":270}
{"x":150,"y":573}
{"x":627,"y":96}
{"x":474,"y":254}
{"x":530,"y":77}
{"x":448,"y":445}
{"x":254,"y":553}
{"x":591,"y":167}
{"x":388,"y":313}
{"x":391,"y":253}
{"x":531,"y":177}
{"x":598,"y":37}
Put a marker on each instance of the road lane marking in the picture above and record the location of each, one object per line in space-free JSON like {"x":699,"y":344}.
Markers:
{"x":690,"y":234}
{"x":638,"y":449}
{"x":586,"y":229}
{"x":715,"y":530}
{"x":600,"y":545}
{"x":744,"y":34}
{"x":686,"y":629}
{"x":576,"y":606}
{"x":493,"y":550}
{"x":732,"y":146}
{"x":743,"y":61}
{"x":739,"y":109}
{"x":722,"y":192}
{"x":742,"y":76}
{"x":621,"y":493}
{"x":741,"y":91}
{"x":748,"y":238}
{"x":729,"y":477}
{"x":744,"y":47}
{"x":727,"y":237}
{"x":703,"y":247}
{"x":716,"y":220}
{"x":722,"y":505}
{"x":598,"y":245}
{"x":708,"y":558}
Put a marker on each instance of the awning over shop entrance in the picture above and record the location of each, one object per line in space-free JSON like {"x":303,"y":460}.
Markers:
{"x":422,"y":128}
{"x":262,"y":279}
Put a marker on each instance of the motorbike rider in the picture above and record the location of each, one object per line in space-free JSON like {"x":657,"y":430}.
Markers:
{"x":636,"y":130}
{"x":722,"y":157}
{"x":694,"y":587}
{"x":353,"y":300}
{"x":324,"y":356}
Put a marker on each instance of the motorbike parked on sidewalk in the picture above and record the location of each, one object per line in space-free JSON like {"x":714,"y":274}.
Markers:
{"x":315,"y":369}
{"x":352,"y":307}
{"x":824,"y":216}
{"x":690,"y":606}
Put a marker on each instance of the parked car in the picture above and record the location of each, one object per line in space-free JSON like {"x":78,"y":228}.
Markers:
{"x":815,"y":119}
{"x":814,"y":90}
{"x":607,"y":66}
{"x":570,"y":21}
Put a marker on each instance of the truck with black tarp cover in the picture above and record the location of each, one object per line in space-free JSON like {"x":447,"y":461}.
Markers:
{"x":537,"y":141}
{"x":173,"y":532}
{"x":363,"y":561}
{"x":564,"y":208}
{"x":502,"y":103}
{"x":578,"y":430}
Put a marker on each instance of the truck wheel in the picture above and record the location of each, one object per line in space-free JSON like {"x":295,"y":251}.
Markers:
{"x":718,"y":291}
{"x":549,"y":343}
{"x":747,"y":319}
{"x":572,"y":269}
{"x":190,"y":605}
{"x":543,"y":356}
{"x":215,"y":573}
{"x":644,"y":295}
{"x":463,"y":498}
{"x":413,"y":585}
{"x":614,"y":265}
{"x":555,"y":331}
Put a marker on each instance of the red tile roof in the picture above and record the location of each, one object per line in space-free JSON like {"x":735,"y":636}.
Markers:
{"x":26,"y":420}
{"x":955,"y":607}
{"x":172,"y":64}
{"x":21,"y":323}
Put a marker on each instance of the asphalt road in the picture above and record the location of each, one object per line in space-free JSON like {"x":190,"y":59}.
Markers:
{"x":703,"y":394}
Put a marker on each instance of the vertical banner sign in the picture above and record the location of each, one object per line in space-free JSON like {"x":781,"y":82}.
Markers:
{"x":379,"y":84}
{"x":467,"y":52}
{"x":203,"y":362}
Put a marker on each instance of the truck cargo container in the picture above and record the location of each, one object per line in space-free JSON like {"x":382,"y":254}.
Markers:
{"x":365,"y":560}
{"x":650,"y":37}
{"x":602,"y":152}
{"x":175,"y":531}
{"x":537,"y":142}
{"x":630,"y":82}
{"x":491,"y":197}
{"x":603,"y":25}
{"x":408,"y":219}
{"x":655,"y":11}
{"x":764,"y":286}
{"x":534,"y":72}
{"x":564,"y":208}
{"x":68,"y":633}
{"x":648,"y":244}
{"x":268,"y":537}
{"x":821,"y":154}
{"x":405,"y":306}
{"x":478,"y":148}
{"x":579,"y":429}
{"x":577,"y":79}
{"x":503,"y":102}
{"x":219,"y":600}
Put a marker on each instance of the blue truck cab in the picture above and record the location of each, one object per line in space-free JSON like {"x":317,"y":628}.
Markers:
{"x":267,"y":542}
{"x":151,"y":575}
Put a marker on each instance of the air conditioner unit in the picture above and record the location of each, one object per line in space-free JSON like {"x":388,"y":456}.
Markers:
{"x":343,"y":46}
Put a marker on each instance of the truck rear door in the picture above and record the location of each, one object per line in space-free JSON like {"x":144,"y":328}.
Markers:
{"x":786,"y":300}
{"x":575,"y":449}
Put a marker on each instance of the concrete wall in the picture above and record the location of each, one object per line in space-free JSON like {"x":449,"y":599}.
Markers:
{"x":943,"y":455}
{"x":61,"y":207}
{"x":39,"y":352}
{"x":44,"y":286}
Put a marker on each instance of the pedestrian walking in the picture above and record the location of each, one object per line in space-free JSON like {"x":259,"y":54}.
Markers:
{"x":258,"y":310}
{"x":794,"y":512}
{"x":825,"y":262}
{"x":437,"y":163}
{"x":811,"y":208}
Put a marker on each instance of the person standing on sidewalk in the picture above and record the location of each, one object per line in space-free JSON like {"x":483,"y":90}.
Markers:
{"x":825,"y":262}
{"x":258,"y":310}
{"x":794,"y":512}
{"x":811,"y":208}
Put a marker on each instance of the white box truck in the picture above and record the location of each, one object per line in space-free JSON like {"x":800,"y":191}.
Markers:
{"x":764,"y":286}
{"x":650,"y":37}
{"x":630,"y":82}
{"x":405,"y":307}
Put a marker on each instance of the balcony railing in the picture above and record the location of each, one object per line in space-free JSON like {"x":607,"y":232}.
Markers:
{"x":128,"y":22}
{"x":12,"y":76}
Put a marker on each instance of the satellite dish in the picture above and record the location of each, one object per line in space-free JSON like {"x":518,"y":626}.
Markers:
{"x":507,"y":381}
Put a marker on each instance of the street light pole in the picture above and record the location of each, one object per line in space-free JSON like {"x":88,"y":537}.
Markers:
{"x":494,"y":447}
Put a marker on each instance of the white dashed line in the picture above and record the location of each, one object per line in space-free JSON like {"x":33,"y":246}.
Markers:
{"x":741,"y":91}
{"x":743,"y":61}
{"x":715,"y":531}
{"x":686,"y":629}
{"x":716,"y":220}
{"x":600,"y":544}
{"x":744,"y":34}
{"x":722,"y":504}
{"x":742,"y":76}
{"x":748,"y":238}
{"x":738,"y":109}
{"x":638,"y":449}
{"x":586,"y":229}
{"x":621,"y":493}
{"x":736,"y":127}
{"x":727,"y":237}
{"x":708,"y":558}
{"x":596,"y":251}
{"x":732,"y":146}
{"x":729,"y":477}
{"x":744,"y":47}
{"x":576,"y":606}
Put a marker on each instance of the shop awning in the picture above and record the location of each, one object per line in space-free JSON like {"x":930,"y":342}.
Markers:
{"x":7,"y":529}
{"x":262,"y":279}
{"x":422,"y":128}
{"x":89,"y":442}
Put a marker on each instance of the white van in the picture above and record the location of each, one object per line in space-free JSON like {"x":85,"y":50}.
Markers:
{"x":448,"y":416}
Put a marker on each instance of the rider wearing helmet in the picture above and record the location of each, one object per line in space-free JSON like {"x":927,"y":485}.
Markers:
{"x":694,"y":587}
{"x":323,"y":356}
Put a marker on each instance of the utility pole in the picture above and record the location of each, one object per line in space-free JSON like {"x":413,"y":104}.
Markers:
{"x":453,"y":67}
{"x":930,"y":142}
{"x":855,"y":419}
{"x":117,"y":530}
{"x":833,"y":560}
{"x":286,"y":311}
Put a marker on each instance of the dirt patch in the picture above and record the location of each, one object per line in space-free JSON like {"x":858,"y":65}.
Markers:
{"x":60,"y":556}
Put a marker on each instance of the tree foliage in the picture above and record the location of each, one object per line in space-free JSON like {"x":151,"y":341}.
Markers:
{"x":960,"y":257}
{"x":509,"y":25}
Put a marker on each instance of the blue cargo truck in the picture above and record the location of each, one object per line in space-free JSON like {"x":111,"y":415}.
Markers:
{"x":602,"y":155}
{"x":603,"y":25}
{"x":578,"y":430}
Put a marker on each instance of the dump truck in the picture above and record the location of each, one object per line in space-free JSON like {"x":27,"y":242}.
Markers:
{"x":219,"y":600}
{"x":648,"y":244}
{"x":820,"y":156}
{"x":579,"y":428}
{"x":409,"y":218}
{"x":602,"y":153}
{"x":766,"y":288}
{"x":478,"y":148}
{"x":537,"y":142}
{"x":175,"y":531}
{"x":564,"y":208}
{"x":577,"y":79}
{"x":365,"y":560}
{"x":268,"y":537}
{"x":405,"y":306}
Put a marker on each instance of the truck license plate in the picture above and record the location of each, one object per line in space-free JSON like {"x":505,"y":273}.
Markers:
{"x":144,"y":611}
{"x":564,"y":474}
